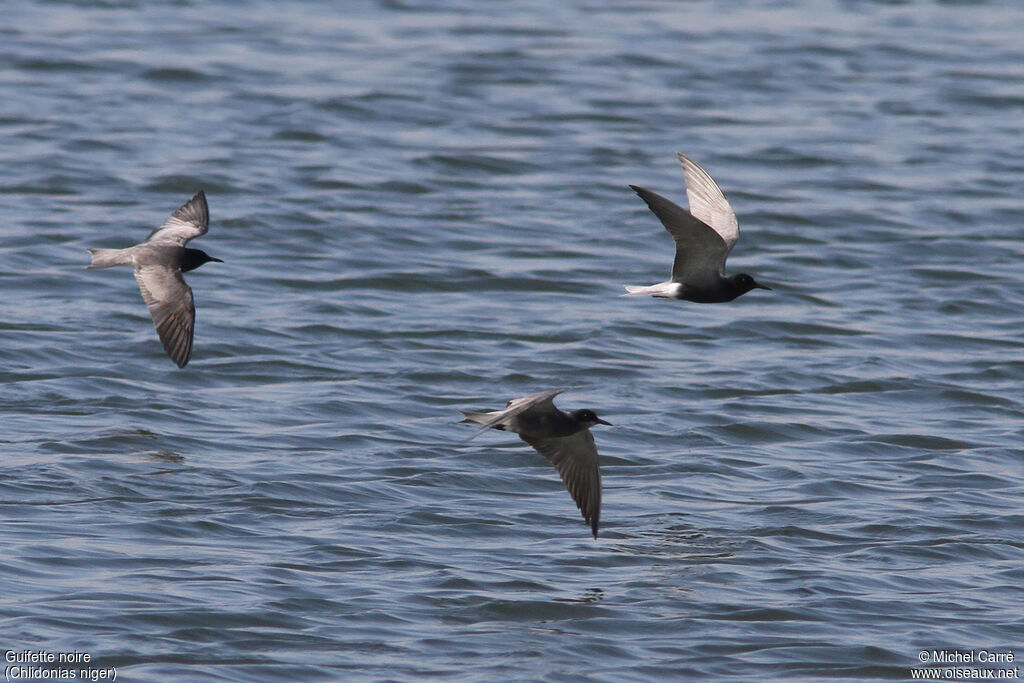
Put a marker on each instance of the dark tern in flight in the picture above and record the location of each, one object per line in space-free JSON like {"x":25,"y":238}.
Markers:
{"x":159,"y":263}
{"x":704,"y":236}
{"x":563,"y":438}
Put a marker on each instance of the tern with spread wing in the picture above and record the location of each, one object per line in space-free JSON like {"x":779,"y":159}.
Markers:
{"x":159,"y":263}
{"x":704,"y":236}
{"x":564,"y":438}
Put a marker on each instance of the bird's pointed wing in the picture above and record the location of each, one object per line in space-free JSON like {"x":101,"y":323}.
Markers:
{"x":170,"y":304}
{"x":575,"y":459}
{"x":188,"y":222}
{"x":708,"y":203}
{"x":515,"y":407}
{"x":700,"y":251}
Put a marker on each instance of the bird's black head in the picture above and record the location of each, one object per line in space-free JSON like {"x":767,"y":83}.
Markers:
{"x":743,"y":283}
{"x":193,"y":258}
{"x":588,"y":418}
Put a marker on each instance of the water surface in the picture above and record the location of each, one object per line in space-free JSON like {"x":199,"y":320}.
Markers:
{"x":424,"y":207}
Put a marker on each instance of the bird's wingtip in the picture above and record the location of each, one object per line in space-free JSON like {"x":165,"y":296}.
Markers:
{"x":645,"y":194}
{"x":686,"y":161}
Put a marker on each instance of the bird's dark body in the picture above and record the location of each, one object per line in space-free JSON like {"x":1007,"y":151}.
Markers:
{"x":728,"y":289}
{"x":537,"y":424}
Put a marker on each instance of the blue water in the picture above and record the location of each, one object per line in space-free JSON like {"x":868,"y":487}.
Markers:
{"x":423,"y":207}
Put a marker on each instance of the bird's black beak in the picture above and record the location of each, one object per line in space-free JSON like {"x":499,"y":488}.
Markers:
{"x":213,"y":258}
{"x":603,"y":422}
{"x":758,"y":285}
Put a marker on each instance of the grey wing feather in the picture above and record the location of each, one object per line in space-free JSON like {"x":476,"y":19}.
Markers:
{"x":171,"y":305}
{"x":700,"y":251}
{"x":708,"y":202}
{"x":575,"y":459}
{"x":188,"y":222}
{"x":515,"y":407}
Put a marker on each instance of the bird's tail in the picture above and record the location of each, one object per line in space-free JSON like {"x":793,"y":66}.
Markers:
{"x":476,"y":418}
{"x":480,"y":419}
{"x":105,"y":258}
{"x":666,"y":290}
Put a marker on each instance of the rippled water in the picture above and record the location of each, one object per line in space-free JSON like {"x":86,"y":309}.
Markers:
{"x":424,"y":207}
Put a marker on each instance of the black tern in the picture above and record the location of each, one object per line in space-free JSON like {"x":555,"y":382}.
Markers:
{"x":704,"y":236}
{"x":159,"y":263}
{"x":563,"y":438}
